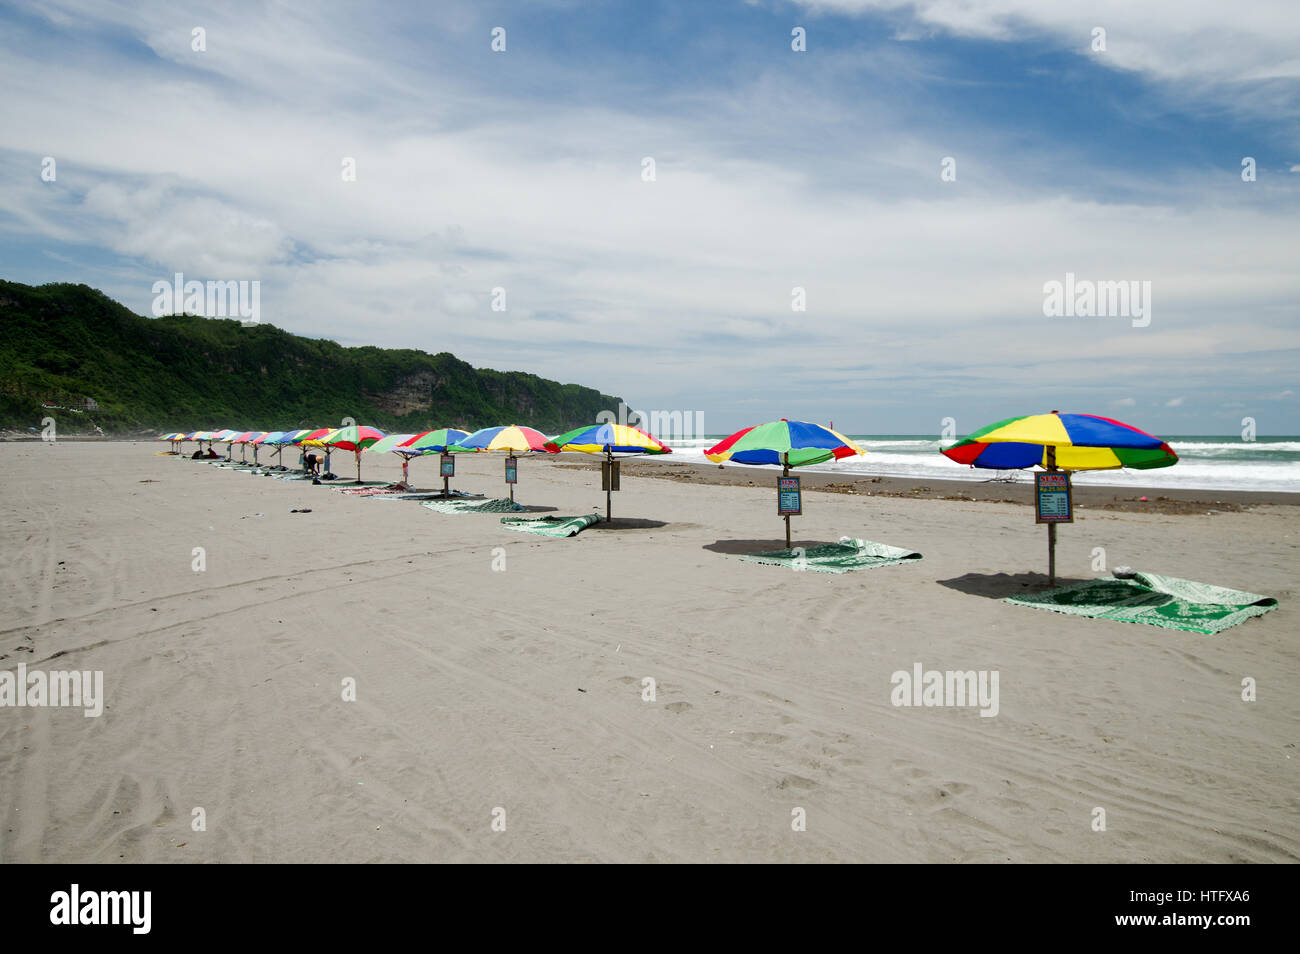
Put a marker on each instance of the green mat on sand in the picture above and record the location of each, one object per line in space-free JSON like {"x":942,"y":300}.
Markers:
{"x":500,"y":505}
{"x":1156,"y":600}
{"x":551,"y":526}
{"x":840,"y":557}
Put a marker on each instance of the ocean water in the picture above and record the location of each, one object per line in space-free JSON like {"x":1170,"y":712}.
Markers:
{"x":1204,"y":463}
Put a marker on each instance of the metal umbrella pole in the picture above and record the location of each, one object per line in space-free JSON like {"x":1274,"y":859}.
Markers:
{"x":1051,"y":527}
{"x":785,"y":472}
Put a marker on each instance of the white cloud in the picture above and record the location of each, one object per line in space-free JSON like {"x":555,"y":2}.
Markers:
{"x":1191,"y":41}
{"x":1174,"y":402}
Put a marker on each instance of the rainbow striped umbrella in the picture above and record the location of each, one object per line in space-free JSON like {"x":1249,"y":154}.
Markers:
{"x":514,"y":438}
{"x":511,"y":438}
{"x":440,"y":442}
{"x":788,"y":443}
{"x":608,"y":439}
{"x":265,"y":437}
{"x":435,"y":442}
{"x":356,"y":438}
{"x":1059,"y":441}
{"x":1077,"y":441}
{"x":389,"y":444}
{"x":315,"y":438}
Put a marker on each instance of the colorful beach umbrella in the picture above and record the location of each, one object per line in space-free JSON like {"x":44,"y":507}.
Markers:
{"x":440,"y":442}
{"x":1060,"y":442}
{"x":389,"y":445}
{"x":511,"y":438}
{"x":435,"y":442}
{"x":356,"y":438}
{"x":315,"y":440}
{"x":607,"y":439}
{"x":788,"y":443}
{"x":1079,"y":442}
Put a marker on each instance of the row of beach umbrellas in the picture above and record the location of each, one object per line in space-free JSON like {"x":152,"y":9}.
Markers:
{"x":1053,"y":442}
{"x":513,"y":439}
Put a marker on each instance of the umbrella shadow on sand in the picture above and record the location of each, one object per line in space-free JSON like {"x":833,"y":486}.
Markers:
{"x":742,"y":547}
{"x":627,"y":523}
{"x":997,"y":586}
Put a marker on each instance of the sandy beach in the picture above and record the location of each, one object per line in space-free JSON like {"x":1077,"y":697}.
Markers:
{"x":516,"y":694}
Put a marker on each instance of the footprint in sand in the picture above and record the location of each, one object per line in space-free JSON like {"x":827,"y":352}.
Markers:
{"x":766,"y":737}
{"x":795,"y":781}
{"x":677,"y":706}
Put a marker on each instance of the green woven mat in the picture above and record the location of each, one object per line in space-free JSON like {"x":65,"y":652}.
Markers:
{"x":842,"y":557}
{"x":500,"y":505}
{"x":1155,"y":600}
{"x":551,"y":526}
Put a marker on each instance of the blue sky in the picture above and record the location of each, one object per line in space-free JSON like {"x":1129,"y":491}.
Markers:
{"x":775,"y":169}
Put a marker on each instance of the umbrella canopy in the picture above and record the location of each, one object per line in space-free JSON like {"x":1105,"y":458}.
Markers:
{"x":390,"y":443}
{"x":317,"y":437}
{"x":434,"y":442}
{"x":1079,"y":441}
{"x":514,"y":438}
{"x":1059,"y":441}
{"x":788,"y":443}
{"x":511,"y":438}
{"x":607,"y":439}
{"x":354,"y":438}
{"x":440,"y":441}
{"x":791,"y":443}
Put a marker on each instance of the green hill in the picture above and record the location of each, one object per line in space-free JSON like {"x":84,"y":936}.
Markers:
{"x":72,"y":346}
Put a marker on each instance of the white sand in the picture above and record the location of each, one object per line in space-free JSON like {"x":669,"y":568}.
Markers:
{"x":521,"y":689}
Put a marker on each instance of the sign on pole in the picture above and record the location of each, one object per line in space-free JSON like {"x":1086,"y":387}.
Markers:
{"x":512,"y":470}
{"x":447,"y":465}
{"x":1052,"y":495}
{"x":788,"y":501}
{"x":609,"y":474}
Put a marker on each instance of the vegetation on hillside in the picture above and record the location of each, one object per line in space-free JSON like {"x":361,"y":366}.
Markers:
{"x":104,"y":366}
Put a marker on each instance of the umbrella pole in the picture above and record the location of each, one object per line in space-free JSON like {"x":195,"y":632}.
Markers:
{"x":785,"y":472}
{"x":1051,"y":528}
{"x":609,"y":485}
{"x":446,"y":488}
{"x":358,"y":453}
{"x":406,"y":463}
